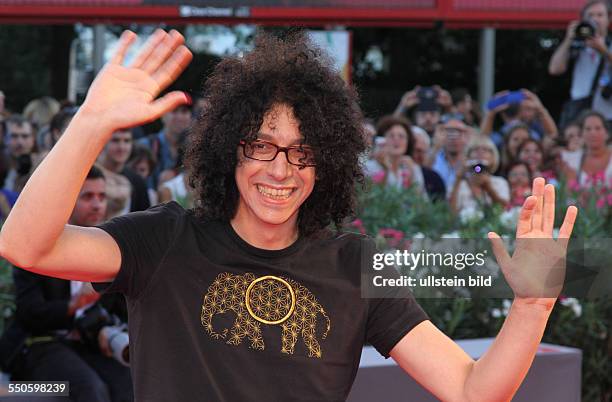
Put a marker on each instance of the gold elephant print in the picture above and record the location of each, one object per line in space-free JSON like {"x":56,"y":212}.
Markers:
{"x":269,"y":300}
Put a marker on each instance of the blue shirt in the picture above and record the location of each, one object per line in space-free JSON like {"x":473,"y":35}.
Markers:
{"x":446,"y":171}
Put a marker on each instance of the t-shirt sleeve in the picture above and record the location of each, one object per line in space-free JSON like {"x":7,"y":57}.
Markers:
{"x":143,"y":238}
{"x":392,"y":315}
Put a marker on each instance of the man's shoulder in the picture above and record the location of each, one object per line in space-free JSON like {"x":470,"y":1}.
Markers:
{"x":167,"y":215}
{"x":340,"y":239}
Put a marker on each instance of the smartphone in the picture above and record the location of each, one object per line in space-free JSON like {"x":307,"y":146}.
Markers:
{"x":509,"y":98}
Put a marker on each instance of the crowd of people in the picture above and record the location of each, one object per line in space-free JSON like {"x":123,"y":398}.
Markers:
{"x":437,"y":141}
{"x":451,"y":153}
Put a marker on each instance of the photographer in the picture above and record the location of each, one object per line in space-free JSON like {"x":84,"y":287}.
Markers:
{"x":447,"y":153}
{"x":21,"y":149}
{"x":475,"y":186}
{"x":425,"y":106}
{"x":65,"y":325}
{"x":586,"y":48}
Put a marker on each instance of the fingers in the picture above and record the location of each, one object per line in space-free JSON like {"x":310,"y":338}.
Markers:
{"x":148,"y":48}
{"x":127,"y":38}
{"x":499,"y":249}
{"x":525,"y":217}
{"x":173,"y":67}
{"x":168,"y":102}
{"x":538,"y":192}
{"x":164,"y":49}
{"x":565,"y":232}
{"x":549,"y":209}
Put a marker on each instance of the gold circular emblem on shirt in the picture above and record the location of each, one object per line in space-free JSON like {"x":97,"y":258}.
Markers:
{"x":270,"y":299}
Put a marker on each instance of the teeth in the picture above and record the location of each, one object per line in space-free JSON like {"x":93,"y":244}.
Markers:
{"x":274,"y":193}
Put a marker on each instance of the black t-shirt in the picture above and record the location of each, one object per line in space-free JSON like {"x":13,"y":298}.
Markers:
{"x":214,"y":318}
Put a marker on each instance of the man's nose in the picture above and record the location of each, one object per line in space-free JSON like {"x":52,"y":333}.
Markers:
{"x":279,"y":168}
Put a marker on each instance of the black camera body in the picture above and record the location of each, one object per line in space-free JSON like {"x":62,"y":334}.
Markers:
{"x":476,"y":166}
{"x":428,"y":98}
{"x":95,"y":319}
{"x":584,"y":30}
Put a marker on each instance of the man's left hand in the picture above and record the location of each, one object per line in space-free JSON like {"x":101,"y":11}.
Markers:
{"x":598,"y":43}
{"x":536,"y":270}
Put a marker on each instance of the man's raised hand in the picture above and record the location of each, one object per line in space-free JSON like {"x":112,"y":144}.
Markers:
{"x":536,"y":270}
{"x":125,"y":96}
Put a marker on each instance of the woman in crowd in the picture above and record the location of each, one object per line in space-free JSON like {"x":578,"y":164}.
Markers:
{"x":143,"y":163}
{"x":530,"y":151}
{"x":596,"y":163}
{"x":515,"y":135}
{"x":519,"y":178}
{"x":475,"y":185}
{"x":393,"y":165}
{"x":572,"y":152}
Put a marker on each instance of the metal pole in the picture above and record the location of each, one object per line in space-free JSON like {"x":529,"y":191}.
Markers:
{"x":486,"y":65}
{"x":99,"y":45}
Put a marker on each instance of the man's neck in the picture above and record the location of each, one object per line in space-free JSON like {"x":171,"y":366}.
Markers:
{"x":171,"y":138}
{"x":264,"y":235}
{"x":451,"y":157}
{"x":113,"y":166}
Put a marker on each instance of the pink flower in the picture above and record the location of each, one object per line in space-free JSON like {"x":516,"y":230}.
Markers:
{"x":609,"y":197}
{"x":406,"y":178}
{"x":574,"y":185}
{"x":379,"y":177}
{"x":358,"y":224}
{"x":393,"y":236}
{"x":600,"y":203}
{"x":598,"y":178}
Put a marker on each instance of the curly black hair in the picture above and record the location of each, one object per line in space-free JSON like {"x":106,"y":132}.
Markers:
{"x":294,"y":72}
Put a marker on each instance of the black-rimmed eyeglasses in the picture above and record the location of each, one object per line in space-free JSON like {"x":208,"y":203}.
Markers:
{"x":260,"y":150}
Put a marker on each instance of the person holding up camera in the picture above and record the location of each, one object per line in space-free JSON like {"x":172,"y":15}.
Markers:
{"x":66,"y":332}
{"x":425,"y":106}
{"x":475,"y":185}
{"x":586,"y":48}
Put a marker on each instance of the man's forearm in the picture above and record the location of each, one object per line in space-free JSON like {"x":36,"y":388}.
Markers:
{"x":499,"y":372}
{"x":45,"y":204}
{"x":558,"y":62}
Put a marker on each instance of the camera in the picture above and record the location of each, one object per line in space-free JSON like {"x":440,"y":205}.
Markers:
{"x":95,"y":319}
{"x":477,"y":166}
{"x":428,"y":98}
{"x":584,"y":30}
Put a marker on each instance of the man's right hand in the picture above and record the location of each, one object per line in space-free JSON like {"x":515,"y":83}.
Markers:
{"x":410,"y":98}
{"x":570,"y":32}
{"x":125,"y":96}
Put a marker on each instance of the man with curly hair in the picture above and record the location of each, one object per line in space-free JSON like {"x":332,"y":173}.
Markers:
{"x":250,"y":297}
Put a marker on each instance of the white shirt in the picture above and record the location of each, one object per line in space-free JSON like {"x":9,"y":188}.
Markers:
{"x":466,"y":200}
{"x":584,"y":72}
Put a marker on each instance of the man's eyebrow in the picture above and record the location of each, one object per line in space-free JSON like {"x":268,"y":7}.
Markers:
{"x":268,"y":137}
